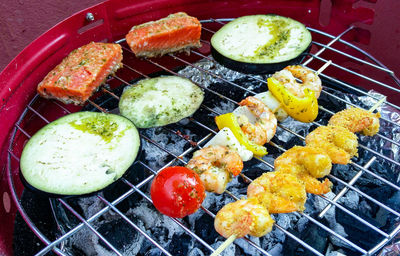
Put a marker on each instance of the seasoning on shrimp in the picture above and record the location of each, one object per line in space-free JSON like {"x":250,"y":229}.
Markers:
{"x":307,"y":164}
{"x":243,"y":217}
{"x":264,"y":127}
{"x":357,"y":120}
{"x":215,"y":165}
{"x":338,"y":142}
{"x":279,"y":192}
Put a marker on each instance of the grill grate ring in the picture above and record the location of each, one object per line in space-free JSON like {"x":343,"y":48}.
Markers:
{"x":52,"y":245}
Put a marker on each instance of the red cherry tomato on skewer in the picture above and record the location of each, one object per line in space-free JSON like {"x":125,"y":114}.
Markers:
{"x":177,"y":191}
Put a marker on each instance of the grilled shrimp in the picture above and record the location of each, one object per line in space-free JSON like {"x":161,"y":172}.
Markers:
{"x":307,"y":164}
{"x":309,"y":79}
{"x":264,"y":128}
{"x":215,"y":164}
{"x":357,"y":120}
{"x":279,"y":192}
{"x":243,"y":217}
{"x":338,"y":142}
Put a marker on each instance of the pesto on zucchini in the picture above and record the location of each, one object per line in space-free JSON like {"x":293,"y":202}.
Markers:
{"x":160,"y":101}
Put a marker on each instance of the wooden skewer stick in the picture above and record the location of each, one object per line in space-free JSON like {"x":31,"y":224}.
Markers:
{"x":319,"y":71}
{"x":224,"y":245}
{"x":377,"y":104}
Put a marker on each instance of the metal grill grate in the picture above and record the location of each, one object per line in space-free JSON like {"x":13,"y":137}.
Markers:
{"x":13,"y":159}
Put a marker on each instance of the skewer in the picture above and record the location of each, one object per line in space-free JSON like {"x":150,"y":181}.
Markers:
{"x":319,"y":71}
{"x":232,"y":238}
{"x":224,"y":245}
{"x":377,"y":104}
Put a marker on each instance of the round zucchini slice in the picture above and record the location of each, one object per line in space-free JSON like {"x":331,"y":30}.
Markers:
{"x":79,"y":154}
{"x":260,"y":44}
{"x":160,"y":101}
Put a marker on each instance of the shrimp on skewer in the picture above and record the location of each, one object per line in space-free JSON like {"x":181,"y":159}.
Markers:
{"x":338,"y":142}
{"x":307,"y":164}
{"x":264,"y":127}
{"x":309,"y":79}
{"x":279,"y":192}
{"x":215,"y":165}
{"x":357,"y":120}
{"x":245,"y":216}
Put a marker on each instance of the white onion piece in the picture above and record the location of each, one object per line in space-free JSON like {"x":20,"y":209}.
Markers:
{"x":226,"y":138}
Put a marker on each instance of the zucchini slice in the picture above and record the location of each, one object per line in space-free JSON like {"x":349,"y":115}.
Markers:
{"x":260,"y":44}
{"x":160,"y":101}
{"x":80,"y":153}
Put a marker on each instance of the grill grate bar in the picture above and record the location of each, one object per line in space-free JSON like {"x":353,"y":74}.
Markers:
{"x":352,"y":57}
{"x":77,"y":215}
{"x":355,"y":73}
{"x":134,"y":225}
{"x":329,"y":44}
{"x":357,"y":90}
{"x":357,"y":49}
{"x":345,"y":189}
{"x":333,"y":202}
{"x":365,"y":195}
{"x":319,"y":224}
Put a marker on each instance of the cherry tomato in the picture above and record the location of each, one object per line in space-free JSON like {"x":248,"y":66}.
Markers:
{"x":177,"y":191}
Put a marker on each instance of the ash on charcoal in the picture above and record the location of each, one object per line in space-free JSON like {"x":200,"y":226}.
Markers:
{"x":229,"y":251}
{"x":122,"y":236}
{"x":195,"y":252}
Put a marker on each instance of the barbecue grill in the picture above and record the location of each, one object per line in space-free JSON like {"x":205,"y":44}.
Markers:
{"x":353,"y":71}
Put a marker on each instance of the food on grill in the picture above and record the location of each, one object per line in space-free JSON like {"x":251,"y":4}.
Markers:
{"x":80,"y":74}
{"x":357,"y":120}
{"x":229,"y":120}
{"x":243,"y":217}
{"x":177,"y":191}
{"x":176,"y":32}
{"x":260,"y":44}
{"x":307,"y":164}
{"x":215,"y":165}
{"x":278,"y":192}
{"x":79,"y":153}
{"x":310,"y":80}
{"x":226,"y":138}
{"x":256,"y":120}
{"x":273,"y":104}
{"x":338,"y":142}
{"x":160,"y":101}
{"x":299,"y":100}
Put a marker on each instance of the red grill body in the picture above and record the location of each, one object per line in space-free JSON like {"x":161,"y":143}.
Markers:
{"x":376,"y":31}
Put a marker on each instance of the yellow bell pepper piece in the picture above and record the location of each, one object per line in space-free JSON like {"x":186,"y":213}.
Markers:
{"x":303,"y":109}
{"x":229,"y":120}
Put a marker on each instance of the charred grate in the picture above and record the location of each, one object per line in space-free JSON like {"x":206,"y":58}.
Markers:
{"x":359,"y":171}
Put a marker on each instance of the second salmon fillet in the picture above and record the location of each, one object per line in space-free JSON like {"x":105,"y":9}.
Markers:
{"x":177,"y":32}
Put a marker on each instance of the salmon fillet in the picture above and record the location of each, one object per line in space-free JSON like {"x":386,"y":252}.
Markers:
{"x":80,"y":74}
{"x":177,"y":32}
